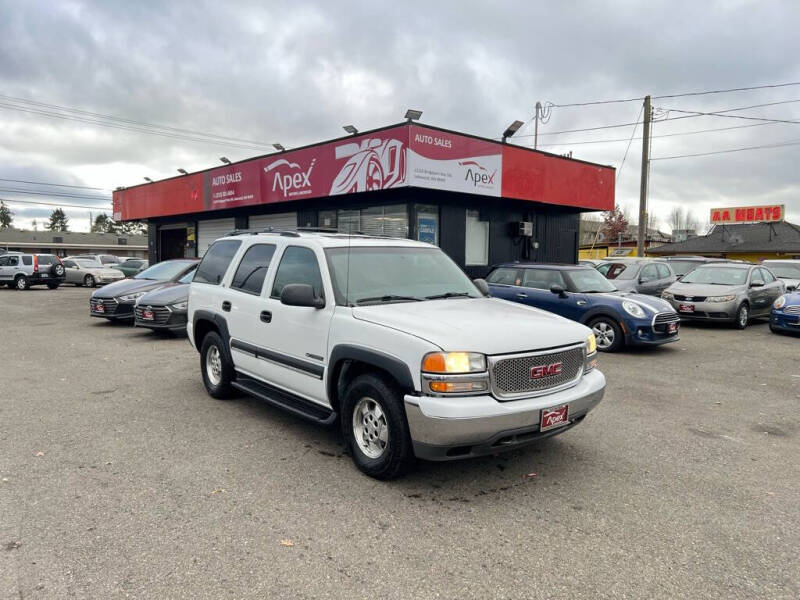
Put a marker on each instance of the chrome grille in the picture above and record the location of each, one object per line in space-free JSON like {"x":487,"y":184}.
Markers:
{"x":667,"y":317}
{"x":109,"y":304}
{"x":513,"y":376}
{"x":690,"y":298}
{"x":792,"y":310}
{"x":161,"y":314}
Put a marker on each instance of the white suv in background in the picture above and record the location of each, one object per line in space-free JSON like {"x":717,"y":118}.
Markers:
{"x":390,"y":338}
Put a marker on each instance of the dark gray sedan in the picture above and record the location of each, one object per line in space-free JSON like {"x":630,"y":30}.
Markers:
{"x":164,"y":309}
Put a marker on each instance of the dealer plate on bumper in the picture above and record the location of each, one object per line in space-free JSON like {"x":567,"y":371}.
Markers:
{"x":552,"y":418}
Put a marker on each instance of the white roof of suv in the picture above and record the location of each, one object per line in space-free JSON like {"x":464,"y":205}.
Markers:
{"x":333,"y":240}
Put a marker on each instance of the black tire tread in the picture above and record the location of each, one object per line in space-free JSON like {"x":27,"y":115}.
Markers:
{"x":224,"y":390}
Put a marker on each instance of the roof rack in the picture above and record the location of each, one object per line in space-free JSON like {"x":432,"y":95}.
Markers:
{"x":286,"y":233}
{"x":318,"y":229}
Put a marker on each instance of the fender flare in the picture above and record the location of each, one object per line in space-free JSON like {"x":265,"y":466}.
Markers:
{"x":392,"y":365}
{"x":219,"y":322}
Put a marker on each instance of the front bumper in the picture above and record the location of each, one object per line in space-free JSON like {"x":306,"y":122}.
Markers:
{"x":639,"y":332}
{"x":780,"y":320}
{"x":708,"y":311}
{"x":164,"y":318}
{"x":112,"y":309}
{"x":459,"y":427}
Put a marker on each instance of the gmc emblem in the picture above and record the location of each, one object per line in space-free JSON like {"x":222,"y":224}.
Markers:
{"x":546,"y":370}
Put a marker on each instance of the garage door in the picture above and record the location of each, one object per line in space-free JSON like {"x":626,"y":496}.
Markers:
{"x":208,"y":231}
{"x":281,"y":221}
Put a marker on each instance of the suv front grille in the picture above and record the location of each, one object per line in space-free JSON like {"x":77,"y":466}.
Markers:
{"x":161,"y":314}
{"x":109,"y":304}
{"x":518,"y":375}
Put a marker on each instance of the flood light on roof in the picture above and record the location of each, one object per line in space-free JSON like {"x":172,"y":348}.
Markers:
{"x":413,"y":115}
{"x":350,"y":129}
{"x":278,"y":147}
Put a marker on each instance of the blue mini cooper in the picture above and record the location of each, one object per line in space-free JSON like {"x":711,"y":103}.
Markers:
{"x":785,"y":314}
{"x":582,"y":294}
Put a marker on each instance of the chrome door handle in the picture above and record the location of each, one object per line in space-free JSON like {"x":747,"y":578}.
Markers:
{"x":581,"y":302}
{"x":522,"y":295}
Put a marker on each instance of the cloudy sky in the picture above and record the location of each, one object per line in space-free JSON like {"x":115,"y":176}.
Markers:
{"x":295,"y":72}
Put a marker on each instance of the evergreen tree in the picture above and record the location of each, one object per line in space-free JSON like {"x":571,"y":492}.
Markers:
{"x":6,"y":216}
{"x":132,"y":228}
{"x":104,"y":224}
{"x":58,"y":221}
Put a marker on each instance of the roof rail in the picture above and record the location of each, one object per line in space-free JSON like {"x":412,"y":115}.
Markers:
{"x":318,"y":229}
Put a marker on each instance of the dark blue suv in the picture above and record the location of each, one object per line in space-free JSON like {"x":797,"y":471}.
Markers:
{"x":582,"y":294}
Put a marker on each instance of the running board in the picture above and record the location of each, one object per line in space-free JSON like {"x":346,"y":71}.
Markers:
{"x":285,"y":400}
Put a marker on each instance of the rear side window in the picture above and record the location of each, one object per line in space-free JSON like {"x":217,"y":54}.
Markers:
{"x":298,"y":265}
{"x":252,"y":268}
{"x":663,"y":271}
{"x":70,"y":265}
{"x":216,"y":260}
{"x":27,"y":260}
{"x":768,"y":278}
{"x":13,"y":261}
{"x":542,"y":279}
{"x":503,"y":276}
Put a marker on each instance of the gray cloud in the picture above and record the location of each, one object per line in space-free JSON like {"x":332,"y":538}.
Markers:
{"x":295,"y":72}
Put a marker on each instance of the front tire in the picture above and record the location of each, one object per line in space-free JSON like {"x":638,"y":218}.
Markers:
{"x":21,"y":282}
{"x":89,"y":281}
{"x":374,"y":427}
{"x":53,"y":286}
{"x":608,"y":334}
{"x":215,"y":366}
{"x":742,"y":317}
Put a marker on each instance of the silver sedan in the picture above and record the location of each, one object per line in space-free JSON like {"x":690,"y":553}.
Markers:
{"x":90,"y":273}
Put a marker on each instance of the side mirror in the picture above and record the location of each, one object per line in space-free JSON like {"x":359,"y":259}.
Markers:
{"x":482,"y":286}
{"x":558,"y":290}
{"x":300,"y":294}
{"x":791,"y":288}
{"x":755,"y":284}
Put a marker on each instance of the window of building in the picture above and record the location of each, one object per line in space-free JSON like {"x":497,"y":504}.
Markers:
{"x":298,"y":265}
{"x":215,"y":261}
{"x":327,"y":219}
{"x":476,"y":251}
{"x":391,"y":220}
{"x":252,"y":268}
{"x":428,"y":224}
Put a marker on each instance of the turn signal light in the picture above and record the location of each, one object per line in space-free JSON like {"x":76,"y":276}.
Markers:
{"x":450,"y":387}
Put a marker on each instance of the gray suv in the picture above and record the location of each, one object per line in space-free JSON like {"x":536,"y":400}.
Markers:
{"x":732,"y":292}
{"x":639,"y":275}
{"x":21,"y":271}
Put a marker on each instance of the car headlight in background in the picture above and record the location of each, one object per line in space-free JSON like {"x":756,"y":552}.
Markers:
{"x":779,"y":303}
{"x":180,"y":305}
{"x":455,"y":373}
{"x":633,"y":309}
{"x":728,"y":298}
{"x":667,"y":296}
{"x":131,"y":297}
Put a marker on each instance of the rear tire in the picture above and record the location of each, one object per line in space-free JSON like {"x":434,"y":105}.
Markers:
{"x":53,"y":286}
{"x":608,"y":334}
{"x":742,"y":316}
{"x":21,"y":282}
{"x":89,"y":281}
{"x":216,"y":368}
{"x":375,"y":428}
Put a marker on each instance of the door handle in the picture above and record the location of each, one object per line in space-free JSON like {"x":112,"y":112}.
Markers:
{"x":266,"y":316}
{"x":226,"y":306}
{"x":522,"y":295}
{"x":581,"y":303}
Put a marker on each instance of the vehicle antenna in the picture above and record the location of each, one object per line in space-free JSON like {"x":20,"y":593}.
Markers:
{"x":347,"y":280}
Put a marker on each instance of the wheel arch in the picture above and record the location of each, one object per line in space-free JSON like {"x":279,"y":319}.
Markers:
{"x":204,"y":321}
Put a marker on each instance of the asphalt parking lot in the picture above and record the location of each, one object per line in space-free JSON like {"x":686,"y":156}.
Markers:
{"x":120,"y":477}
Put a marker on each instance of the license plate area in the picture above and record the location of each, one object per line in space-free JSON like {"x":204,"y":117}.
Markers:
{"x":99,"y":308}
{"x":147,"y":315}
{"x":686,"y":308}
{"x":552,"y":418}
{"x":672,"y":328}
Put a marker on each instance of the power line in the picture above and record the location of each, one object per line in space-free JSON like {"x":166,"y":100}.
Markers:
{"x":630,"y":141}
{"x":58,"y":194}
{"x":82,"y":187}
{"x":640,"y":98}
{"x":692,"y":113}
{"x":763,"y":147}
{"x":10,"y":201}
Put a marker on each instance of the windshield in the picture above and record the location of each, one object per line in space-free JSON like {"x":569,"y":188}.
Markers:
{"x":587,"y":281}
{"x":164,"y":271}
{"x":716,"y":276}
{"x":682,"y":267}
{"x":188,"y":277}
{"x":619,"y":270}
{"x":89,"y":264}
{"x":379,"y":275}
{"x":784,"y":271}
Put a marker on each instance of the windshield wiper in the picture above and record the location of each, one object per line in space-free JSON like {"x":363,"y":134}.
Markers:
{"x":389,"y":298}
{"x":448,"y":295}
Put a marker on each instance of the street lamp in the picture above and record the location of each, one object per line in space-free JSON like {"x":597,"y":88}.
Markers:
{"x":279,"y":148}
{"x":182,"y":171}
{"x":350,"y":129}
{"x":225,"y":160}
{"x":512,"y":129}
{"x":413,"y":115}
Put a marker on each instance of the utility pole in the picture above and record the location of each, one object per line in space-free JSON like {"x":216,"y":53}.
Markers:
{"x":643,"y":186}
{"x":536,"y":125}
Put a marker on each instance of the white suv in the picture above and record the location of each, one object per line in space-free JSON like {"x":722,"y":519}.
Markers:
{"x":390,"y":337}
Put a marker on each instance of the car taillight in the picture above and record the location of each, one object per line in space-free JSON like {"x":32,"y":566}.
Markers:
{"x":35,"y":264}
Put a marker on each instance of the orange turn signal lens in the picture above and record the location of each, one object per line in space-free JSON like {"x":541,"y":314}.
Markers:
{"x":454,"y":362}
{"x":450,"y":387}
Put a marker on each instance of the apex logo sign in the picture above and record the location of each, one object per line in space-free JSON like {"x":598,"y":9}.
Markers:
{"x":477,"y":174}
{"x":538,"y":372}
{"x":295,"y":182}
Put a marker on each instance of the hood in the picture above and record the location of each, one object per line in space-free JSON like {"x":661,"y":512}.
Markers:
{"x":656,"y":305}
{"x":170,"y":293}
{"x":703,"y":289}
{"x":487,"y":325}
{"x":790,"y":282}
{"x":625,"y":285}
{"x":127,"y":286}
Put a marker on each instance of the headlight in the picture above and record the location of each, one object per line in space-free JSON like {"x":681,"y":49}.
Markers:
{"x":779,"y":303}
{"x":131,"y":297}
{"x":667,"y":296}
{"x":591,"y":344}
{"x":455,"y":373}
{"x":180,"y":305}
{"x":728,"y":298}
{"x":454,"y":362}
{"x":633,"y":309}
{"x":591,"y":353}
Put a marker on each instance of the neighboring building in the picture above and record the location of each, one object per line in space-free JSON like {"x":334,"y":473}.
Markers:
{"x":482,"y":201}
{"x":681,"y":235}
{"x":594,"y":243}
{"x":65,"y":243}
{"x":743,"y":241}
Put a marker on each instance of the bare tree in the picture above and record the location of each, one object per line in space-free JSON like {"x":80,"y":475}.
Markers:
{"x":682,"y":219}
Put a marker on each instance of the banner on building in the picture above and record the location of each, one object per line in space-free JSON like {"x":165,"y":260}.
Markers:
{"x":748,"y":214}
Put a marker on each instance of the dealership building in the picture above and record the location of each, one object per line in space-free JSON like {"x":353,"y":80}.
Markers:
{"x":481,"y":201}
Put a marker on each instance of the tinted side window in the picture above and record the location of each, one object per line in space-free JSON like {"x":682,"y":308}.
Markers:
{"x":542,"y":279}
{"x":504,"y":276}
{"x":663,"y":271}
{"x":216,"y":260}
{"x":70,"y":265}
{"x":298,"y":265}
{"x":768,"y":278}
{"x":756,"y":276}
{"x":252,"y":268}
{"x":649,"y":273}
{"x":3,"y":261}
{"x":45,"y":260}
{"x":27,"y":260}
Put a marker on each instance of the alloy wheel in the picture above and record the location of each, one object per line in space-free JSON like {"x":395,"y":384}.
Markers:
{"x":214,"y":365}
{"x":604,"y":334}
{"x":370,"y":428}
